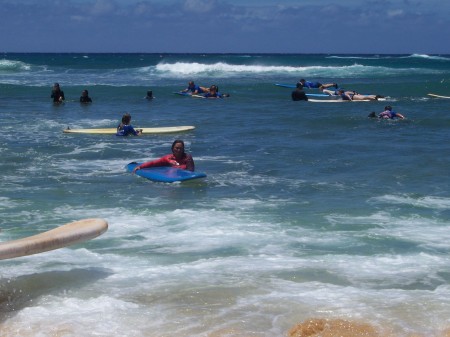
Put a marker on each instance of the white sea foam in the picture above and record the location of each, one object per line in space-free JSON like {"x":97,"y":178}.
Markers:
{"x":433,"y":202}
{"x":430,"y":57}
{"x":12,"y":66}
{"x":190,"y":264}
{"x":7,"y":203}
{"x":229,"y":70}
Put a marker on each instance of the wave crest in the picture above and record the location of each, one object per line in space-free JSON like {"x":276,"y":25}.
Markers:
{"x":222,"y":69}
{"x":13,"y":66}
{"x":430,"y":57}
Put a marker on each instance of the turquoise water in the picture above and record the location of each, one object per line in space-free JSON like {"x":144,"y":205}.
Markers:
{"x":308,"y":210}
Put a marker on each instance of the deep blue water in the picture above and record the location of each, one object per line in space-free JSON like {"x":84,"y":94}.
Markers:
{"x":309,"y":209}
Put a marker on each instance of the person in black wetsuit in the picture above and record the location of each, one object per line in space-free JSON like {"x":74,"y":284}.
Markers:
{"x":298,"y":94}
{"x":57,"y":94}
{"x":149,"y":95}
{"x":84,"y":98}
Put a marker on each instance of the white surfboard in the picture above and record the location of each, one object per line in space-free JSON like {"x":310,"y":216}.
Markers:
{"x":438,"y":96}
{"x":68,"y":234}
{"x":337,"y":100}
{"x":145,"y":131}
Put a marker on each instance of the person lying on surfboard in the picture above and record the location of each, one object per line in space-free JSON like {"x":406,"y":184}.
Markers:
{"x":316,"y":85}
{"x":213,"y":92}
{"x":386,"y":114}
{"x":178,"y":158}
{"x":125,"y":128}
{"x":354,"y":96}
{"x":351,"y":93}
{"x":194,"y":89}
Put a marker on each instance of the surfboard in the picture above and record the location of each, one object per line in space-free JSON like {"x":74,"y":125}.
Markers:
{"x":189,"y":94}
{"x":317,"y":95}
{"x":165,"y":174}
{"x":286,"y":85}
{"x":65,"y":235}
{"x":438,"y":96}
{"x":182,"y":93}
{"x":337,"y":100}
{"x":307,"y":94}
{"x":145,"y":131}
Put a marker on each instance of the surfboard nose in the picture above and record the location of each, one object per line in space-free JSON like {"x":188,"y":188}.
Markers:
{"x":63,"y":236}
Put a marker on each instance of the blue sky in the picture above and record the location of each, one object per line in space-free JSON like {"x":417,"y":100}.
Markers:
{"x":226,"y":26}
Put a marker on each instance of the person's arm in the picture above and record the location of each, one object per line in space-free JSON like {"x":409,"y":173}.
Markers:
{"x":399,"y":115}
{"x":190,"y":166}
{"x":163,"y":161}
{"x":134,"y":131}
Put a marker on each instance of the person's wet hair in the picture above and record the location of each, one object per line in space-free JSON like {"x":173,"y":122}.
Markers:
{"x":126,"y":119}
{"x":177,"y":141}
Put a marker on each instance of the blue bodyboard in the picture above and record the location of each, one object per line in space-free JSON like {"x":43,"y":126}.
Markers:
{"x":165,"y":174}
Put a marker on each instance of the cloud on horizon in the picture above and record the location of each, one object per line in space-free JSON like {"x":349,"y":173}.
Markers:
{"x":219,"y":26}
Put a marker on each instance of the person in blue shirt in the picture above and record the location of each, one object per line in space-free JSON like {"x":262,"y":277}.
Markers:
{"x":213,"y":92}
{"x":387,"y":114}
{"x":194,"y":89}
{"x":125,"y":128}
{"x":317,"y":85}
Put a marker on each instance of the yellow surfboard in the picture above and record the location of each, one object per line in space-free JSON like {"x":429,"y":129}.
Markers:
{"x":68,"y":234}
{"x":145,"y":131}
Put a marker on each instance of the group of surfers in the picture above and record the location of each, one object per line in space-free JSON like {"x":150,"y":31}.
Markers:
{"x":347,"y":95}
{"x":125,"y":128}
{"x":192,"y":89}
{"x":179,"y":158}
{"x":211,"y":92}
{"x":182,"y":160}
{"x":58,"y":95}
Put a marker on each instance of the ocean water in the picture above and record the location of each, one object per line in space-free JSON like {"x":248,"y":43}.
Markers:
{"x":309,"y":210}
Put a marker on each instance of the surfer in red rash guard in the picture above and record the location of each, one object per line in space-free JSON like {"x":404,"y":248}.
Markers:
{"x":178,"y":159}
